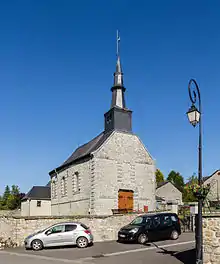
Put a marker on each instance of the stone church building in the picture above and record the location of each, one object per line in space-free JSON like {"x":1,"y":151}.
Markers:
{"x":112,"y":171}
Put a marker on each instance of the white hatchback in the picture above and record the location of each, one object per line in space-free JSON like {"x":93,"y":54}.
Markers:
{"x":62,"y":234}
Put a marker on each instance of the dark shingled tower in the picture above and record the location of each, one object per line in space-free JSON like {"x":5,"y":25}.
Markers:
{"x":118,"y":117}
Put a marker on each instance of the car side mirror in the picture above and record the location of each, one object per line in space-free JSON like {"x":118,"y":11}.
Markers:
{"x":48,"y":232}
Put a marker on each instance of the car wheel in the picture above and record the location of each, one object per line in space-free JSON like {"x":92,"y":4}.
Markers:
{"x":174,"y":235}
{"x":142,"y":239}
{"x":82,"y":242}
{"x":37,"y":245}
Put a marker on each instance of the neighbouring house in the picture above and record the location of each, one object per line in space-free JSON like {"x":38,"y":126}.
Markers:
{"x":37,"y":202}
{"x":112,"y":172}
{"x":160,"y":203}
{"x":169,"y":193}
{"x":214,"y":181}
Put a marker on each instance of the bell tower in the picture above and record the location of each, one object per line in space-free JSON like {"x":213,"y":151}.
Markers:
{"x":118,"y":117}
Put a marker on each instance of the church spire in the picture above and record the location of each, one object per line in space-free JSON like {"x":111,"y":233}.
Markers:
{"x":118,"y":75}
{"x":118,"y":116}
{"x":118,"y":88}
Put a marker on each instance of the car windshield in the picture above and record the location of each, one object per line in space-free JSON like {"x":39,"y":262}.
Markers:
{"x":138,"y":220}
{"x":41,"y":231}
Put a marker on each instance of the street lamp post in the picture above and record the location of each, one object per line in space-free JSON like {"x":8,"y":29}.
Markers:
{"x":195,"y":117}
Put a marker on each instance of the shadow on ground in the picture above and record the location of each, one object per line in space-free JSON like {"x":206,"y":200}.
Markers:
{"x":185,"y":257}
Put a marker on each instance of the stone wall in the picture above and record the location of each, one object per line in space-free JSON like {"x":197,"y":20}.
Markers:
{"x":211,"y":239}
{"x":13,"y":230}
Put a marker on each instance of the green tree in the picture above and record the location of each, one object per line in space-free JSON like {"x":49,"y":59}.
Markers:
{"x":13,"y":200}
{"x":159,"y":176}
{"x":5,"y":196}
{"x":177,"y":179}
{"x":187,"y":193}
{"x":1,"y":203}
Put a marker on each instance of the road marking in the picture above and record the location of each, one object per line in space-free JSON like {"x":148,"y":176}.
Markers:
{"x":140,"y":250}
{"x":87,"y":259}
{"x":145,"y":249}
{"x":73,"y":261}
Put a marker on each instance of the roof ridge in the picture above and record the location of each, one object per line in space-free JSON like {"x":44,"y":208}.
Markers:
{"x":84,"y":150}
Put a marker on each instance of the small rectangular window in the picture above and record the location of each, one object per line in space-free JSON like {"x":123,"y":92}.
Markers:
{"x":75,"y":182}
{"x":38,"y":203}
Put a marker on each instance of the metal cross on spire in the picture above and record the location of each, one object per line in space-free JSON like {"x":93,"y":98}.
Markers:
{"x":118,"y":40}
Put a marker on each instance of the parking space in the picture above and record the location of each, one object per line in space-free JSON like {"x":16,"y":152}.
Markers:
{"x":104,"y":252}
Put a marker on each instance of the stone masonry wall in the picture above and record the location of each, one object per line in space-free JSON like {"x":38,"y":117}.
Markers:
{"x":123,"y":162}
{"x":13,"y":230}
{"x":211,"y":239}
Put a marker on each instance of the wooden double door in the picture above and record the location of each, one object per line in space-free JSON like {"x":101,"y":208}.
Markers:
{"x":125,"y":200}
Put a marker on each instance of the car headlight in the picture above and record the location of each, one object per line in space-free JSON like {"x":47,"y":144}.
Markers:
{"x":134,"y":230}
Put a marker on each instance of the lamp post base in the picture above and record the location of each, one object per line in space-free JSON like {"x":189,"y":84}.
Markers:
{"x":199,"y":241}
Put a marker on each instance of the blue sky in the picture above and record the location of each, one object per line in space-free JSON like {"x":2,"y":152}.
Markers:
{"x":57,"y":59}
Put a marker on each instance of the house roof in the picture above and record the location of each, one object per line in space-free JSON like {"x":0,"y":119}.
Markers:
{"x":84,"y":150}
{"x":39,"y":193}
{"x":160,"y":184}
{"x":206,"y":178}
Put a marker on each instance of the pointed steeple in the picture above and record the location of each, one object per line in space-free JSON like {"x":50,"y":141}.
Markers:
{"x":118,"y":88}
{"x":118,"y":117}
{"x":118,"y":75}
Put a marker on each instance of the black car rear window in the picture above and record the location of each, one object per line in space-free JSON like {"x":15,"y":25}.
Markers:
{"x":174,"y":218}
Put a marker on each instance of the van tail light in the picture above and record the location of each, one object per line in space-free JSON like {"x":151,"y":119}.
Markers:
{"x":87,"y":232}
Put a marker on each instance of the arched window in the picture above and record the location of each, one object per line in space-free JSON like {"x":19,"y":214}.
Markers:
{"x":75,"y":182}
{"x":64,"y":186}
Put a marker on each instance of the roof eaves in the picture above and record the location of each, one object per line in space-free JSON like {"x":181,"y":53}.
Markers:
{"x":64,"y":166}
{"x":208,"y":177}
{"x":161,"y":184}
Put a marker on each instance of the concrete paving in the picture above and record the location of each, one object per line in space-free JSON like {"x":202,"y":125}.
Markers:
{"x":174,"y":252}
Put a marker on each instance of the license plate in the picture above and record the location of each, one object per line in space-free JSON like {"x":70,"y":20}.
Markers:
{"x":122,"y":235}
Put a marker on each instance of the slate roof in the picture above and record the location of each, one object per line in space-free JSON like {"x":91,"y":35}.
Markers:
{"x":38,"y":193}
{"x":205,"y":178}
{"x":85,"y":150}
{"x":160,"y":184}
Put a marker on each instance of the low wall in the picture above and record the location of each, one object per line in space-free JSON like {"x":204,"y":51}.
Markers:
{"x":13,"y":230}
{"x":211,"y":239}
{"x":10,"y":212}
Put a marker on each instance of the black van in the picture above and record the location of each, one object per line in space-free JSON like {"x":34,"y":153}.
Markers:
{"x":151,"y":227}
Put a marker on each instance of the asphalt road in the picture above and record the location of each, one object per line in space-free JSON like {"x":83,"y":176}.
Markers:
{"x":166,"y":252}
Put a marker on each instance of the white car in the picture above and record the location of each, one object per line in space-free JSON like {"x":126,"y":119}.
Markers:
{"x":62,"y":234}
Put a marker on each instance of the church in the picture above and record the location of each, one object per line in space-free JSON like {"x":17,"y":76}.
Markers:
{"x":113,"y":172}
